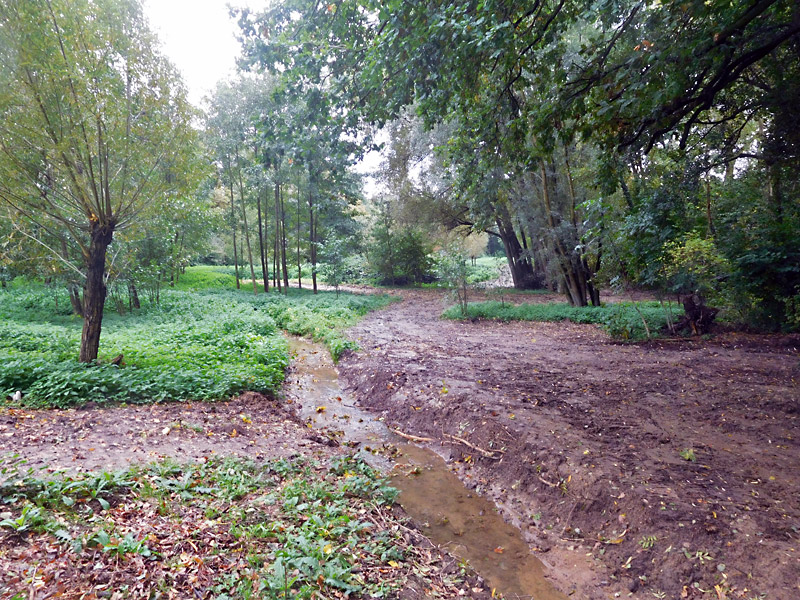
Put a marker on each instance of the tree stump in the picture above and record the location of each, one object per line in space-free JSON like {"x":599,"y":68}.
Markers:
{"x":698,"y":317}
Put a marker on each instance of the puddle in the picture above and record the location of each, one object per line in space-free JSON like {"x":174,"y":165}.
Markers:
{"x":452,"y":516}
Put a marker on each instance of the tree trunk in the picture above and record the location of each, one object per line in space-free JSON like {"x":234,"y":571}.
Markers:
{"x":94,"y":291}
{"x":75,"y":299}
{"x":261,"y":247}
{"x":277,"y":259}
{"x":299,"y":265}
{"x":233,"y":226}
{"x":283,"y":247}
{"x":697,"y":317}
{"x":521,"y":267}
{"x":247,"y":231}
{"x":312,"y":248}
{"x":133,"y":295}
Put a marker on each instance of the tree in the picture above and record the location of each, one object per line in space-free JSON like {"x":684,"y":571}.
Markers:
{"x":536,"y":93}
{"x":95,"y":127}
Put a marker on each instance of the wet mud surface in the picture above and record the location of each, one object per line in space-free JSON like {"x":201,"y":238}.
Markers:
{"x":90,"y":439}
{"x":666,"y":469}
{"x":466,"y":524}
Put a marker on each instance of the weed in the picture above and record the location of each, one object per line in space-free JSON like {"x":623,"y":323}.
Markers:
{"x":204,"y":345}
{"x":688,"y":454}
{"x":119,"y":547}
{"x":648,"y":541}
{"x":701,"y":556}
{"x":292,"y":528}
{"x":30,"y":519}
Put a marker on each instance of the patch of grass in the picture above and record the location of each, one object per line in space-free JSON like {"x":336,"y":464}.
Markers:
{"x":321,"y":316}
{"x":240,"y":529}
{"x":485,"y":268}
{"x":207,"y":277}
{"x":622,"y":320}
{"x":202,"y":345}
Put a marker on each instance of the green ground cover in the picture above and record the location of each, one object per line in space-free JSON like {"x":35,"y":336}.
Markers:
{"x":205,"y":344}
{"x":229,"y":527}
{"x":623,"y":320}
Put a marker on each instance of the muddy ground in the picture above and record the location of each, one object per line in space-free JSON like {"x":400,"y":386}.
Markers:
{"x":667,"y":469}
{"x":584,"y":443}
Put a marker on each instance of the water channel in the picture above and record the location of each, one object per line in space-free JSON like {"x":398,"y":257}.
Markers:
{"x":451,"y":515}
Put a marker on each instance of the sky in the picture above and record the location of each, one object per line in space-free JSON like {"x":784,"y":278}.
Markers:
{"x":199,"y":38}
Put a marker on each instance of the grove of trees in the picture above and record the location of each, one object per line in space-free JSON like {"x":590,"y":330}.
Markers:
{"x":645,"y":143}
{"x":95,"y":140}
{"x":624,"y":143}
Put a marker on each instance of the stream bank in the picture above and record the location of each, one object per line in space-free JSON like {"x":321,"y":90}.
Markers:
{"x":457,"y":519}
{"x":665,"y":469}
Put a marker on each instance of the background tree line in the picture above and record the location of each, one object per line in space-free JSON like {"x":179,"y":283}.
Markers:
{"x":597,"y":143}
{"x":625,"y":142}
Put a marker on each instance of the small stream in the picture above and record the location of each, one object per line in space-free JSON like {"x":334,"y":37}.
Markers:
{"x":451,"y":515}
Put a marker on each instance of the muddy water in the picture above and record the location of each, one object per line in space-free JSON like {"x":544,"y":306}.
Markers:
{"x":465,"y":523}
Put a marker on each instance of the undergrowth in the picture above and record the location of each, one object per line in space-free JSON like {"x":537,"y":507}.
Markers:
{"x":202,"y":345}
{"x":234,"y":528}
{"x":623,"y":320}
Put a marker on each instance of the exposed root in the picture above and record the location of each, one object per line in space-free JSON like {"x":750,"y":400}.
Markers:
{"x":481,"y":451}
{"x":408,"y":436}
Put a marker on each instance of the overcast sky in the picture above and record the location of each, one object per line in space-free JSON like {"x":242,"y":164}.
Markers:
{"x":198,"y":36}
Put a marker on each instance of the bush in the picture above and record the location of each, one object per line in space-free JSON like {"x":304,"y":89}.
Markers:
{"x":206,"y":277}
{"x":401,"y":258}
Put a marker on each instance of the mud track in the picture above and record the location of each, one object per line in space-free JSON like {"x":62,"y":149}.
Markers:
{"x":661,"y":469}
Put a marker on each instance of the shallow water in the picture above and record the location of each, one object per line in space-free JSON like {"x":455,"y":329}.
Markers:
{"x":451,"y":515}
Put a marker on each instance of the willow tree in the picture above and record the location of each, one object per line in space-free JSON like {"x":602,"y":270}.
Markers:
{"x":94,"y":129}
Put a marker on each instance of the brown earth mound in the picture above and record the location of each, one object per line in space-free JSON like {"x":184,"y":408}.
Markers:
{"x":674,"y":466}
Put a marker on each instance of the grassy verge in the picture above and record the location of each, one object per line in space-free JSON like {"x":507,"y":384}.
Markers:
{"x":624,"y":320}
{"x":221,"y":529}
{"x":201,"y":345}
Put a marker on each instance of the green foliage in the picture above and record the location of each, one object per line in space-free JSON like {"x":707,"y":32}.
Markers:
{"x":400,"y":257}
{"x":333,"y":255}
{"x":451,"y":267}
{"x":321,"y":316}
{"x":486,"y":268}
{"x":204,"y":345}
{"x":622,"y":320}
{"x":204,"y":277}
{"x":199,"y":347}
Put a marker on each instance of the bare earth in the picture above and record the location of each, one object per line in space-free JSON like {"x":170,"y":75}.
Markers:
{"x":587,"y":444}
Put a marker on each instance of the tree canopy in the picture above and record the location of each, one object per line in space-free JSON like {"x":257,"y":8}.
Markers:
{"x":95,"y":131}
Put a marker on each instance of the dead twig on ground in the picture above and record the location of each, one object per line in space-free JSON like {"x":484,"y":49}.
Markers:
{"x":544,"y":481}
{"x":408,"y":436}
{"x":484,"y":453}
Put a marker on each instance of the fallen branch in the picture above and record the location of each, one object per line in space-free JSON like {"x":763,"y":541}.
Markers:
{"x":544,"y":481}
{"x":484,"y":453}
{"x":408,"y":436}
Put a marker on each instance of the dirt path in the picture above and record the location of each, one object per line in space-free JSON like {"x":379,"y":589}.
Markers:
{"x":668,"y":468}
